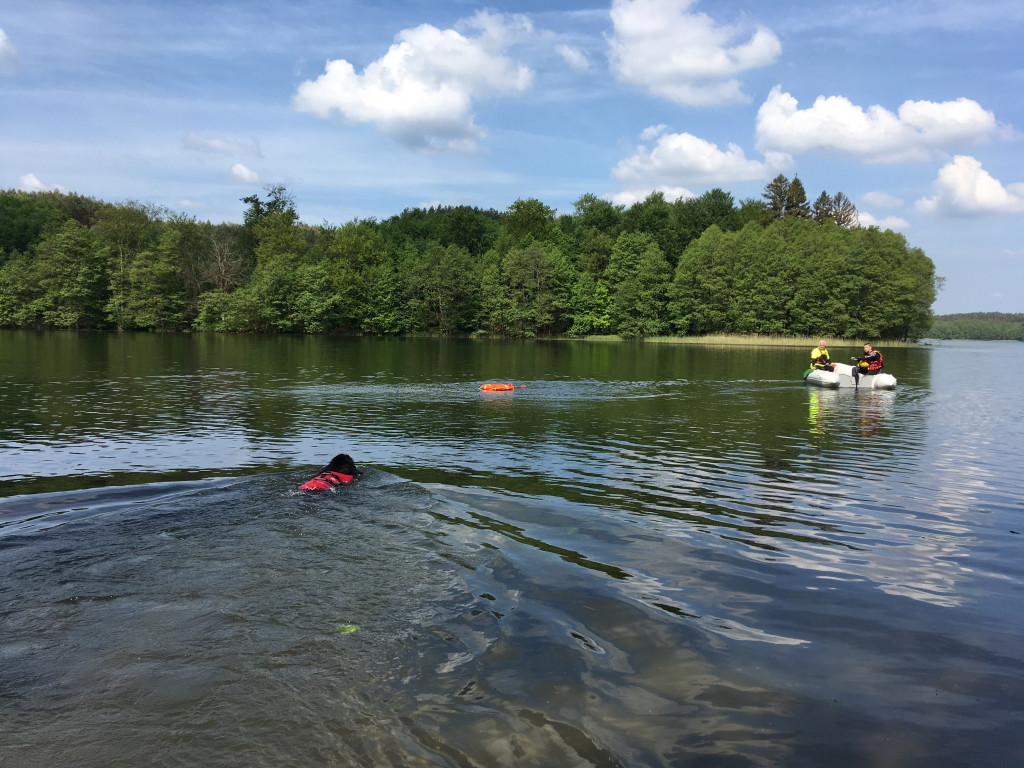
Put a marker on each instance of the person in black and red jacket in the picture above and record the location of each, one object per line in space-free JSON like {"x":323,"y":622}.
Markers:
{"x":867,"y":364}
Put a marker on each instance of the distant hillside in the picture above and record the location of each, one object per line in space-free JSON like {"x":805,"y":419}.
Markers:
{"x":983,"y":326}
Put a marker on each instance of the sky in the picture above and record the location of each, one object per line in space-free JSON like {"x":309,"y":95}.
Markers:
{"x":912,"y":109}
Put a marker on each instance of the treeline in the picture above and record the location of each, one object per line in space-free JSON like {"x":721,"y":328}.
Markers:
{"x":982,"y":326}
{"x":691,"y":267}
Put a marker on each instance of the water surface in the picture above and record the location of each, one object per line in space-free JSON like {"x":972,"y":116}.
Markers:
{"x":650,"y":555}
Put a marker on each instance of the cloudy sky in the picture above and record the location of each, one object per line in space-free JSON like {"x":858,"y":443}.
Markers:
{"x":913,"y":109}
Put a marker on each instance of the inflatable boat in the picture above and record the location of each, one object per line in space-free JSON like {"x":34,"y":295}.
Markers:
{"x":842,"y":377}
{"x":819,"y":377}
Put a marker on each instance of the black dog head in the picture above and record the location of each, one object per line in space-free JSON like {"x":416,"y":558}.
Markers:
{"x":343,"y":464}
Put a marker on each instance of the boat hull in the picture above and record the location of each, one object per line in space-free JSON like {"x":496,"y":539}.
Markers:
{"x":874,"y":381}
{"x":820,"y":378}
{"x":842,"y":378}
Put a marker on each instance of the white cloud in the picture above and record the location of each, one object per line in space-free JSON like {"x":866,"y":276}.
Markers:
{"x":682,"y":157}
{"x":875,"y":135}
{"x":498,"y":30}
{"x":574,"y":57}
{"x":865,"y":219}
{"x":242,"y":173}
{"x":8,"y":54}
{"x":629,"y":196}
{"x":197,"y":143}
{"x":882,"y":199}
{"x":653,"y":132}
{"x":964,"y":188}
{"x":29,"y":183}
{"x":190,"y":204}
{"x":422,"y":90}
{"x":683,"y":56}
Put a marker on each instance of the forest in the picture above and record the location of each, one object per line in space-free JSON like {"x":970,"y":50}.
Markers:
{"x":703,"y":265}
{"x":984,"y":326}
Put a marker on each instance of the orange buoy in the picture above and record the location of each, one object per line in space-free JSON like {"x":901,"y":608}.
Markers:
{"x":497,"y":387}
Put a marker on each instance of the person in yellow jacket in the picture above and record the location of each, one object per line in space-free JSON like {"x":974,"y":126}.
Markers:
{"x":819,"y":358}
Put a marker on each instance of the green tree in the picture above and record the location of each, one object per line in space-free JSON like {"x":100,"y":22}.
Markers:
{"x":319,"y":307}
{"x":694,"y":215}
{"x":358,"y":253}
{"x":443,"y":286}
{"x":838,"y":208}
{"x":154,"y":296}
{"x":776,"y":194}
{"x":896,"y":286}
{"x":821,"y":299}
{"x":653,"y":216}
{"x":383,"y":297}
{"x":638,"y":275}
{"x":192,"y":246}
{"x":84,"y":210}
{"x":64,"y":285}
{"x":594,"y":226}
{"x":232,"y":312}
{"x":18,"y":289}
{"x":785,"y":199}
{"x":278,"y":201}
{"x":592,"y":249}
{"x":589,"y":307}
{"x":821,"y":211}
{"x":224,"y":267}
{"x":797,"y":206}
{"x":591,"y":211}
{"x":126,"y":231}
{"x":700,"y":299}
{"x":764,"y":281}
{"x":528,"y":219}
{"x":750,"y":211}
{"x":526,"y":291}
{"x":468,"y":228}
{"x":275,"y":284}
{"x":844,"y":212}
{"x":23,"y":218}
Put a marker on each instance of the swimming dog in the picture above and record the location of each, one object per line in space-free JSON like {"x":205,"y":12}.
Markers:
{"x":340,"y":471}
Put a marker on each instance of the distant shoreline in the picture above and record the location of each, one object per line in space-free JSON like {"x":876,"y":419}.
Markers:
{"x":711,"y":340}
{"x":728,"y":340}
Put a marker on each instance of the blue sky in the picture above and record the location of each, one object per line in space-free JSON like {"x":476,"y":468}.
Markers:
{"x":913,"y":109}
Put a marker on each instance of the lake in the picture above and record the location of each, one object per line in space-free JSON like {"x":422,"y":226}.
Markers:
{"x":650,"y":555}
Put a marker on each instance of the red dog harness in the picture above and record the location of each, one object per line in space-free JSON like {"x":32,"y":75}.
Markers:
{"x":325,"y":481}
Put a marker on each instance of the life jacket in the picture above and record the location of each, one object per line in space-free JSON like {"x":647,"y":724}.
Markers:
{"x":871,"y":366}
{"x":819,"y":357}
{"x":325,"y":481}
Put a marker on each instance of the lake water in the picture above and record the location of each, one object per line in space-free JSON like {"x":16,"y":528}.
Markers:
{"x":651,"y":555}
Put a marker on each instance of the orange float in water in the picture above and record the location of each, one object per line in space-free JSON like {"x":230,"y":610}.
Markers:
{"x":499,"y":387}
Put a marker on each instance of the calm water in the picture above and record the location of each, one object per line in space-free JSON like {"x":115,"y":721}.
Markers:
{"x":653,"y":555}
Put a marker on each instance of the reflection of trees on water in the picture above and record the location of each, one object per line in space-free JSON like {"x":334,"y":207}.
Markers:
{"x":699,"y":440}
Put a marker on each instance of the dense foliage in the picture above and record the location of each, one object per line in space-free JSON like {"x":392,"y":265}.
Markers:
{"x":989,"y":326}
{"x":696,"y":266}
